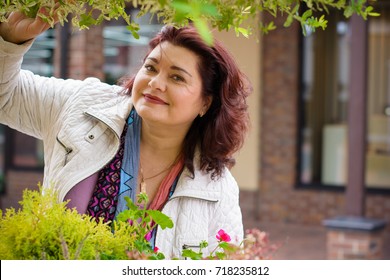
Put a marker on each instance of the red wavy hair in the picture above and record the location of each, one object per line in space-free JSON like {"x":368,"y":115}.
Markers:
{"x":222,"y":130}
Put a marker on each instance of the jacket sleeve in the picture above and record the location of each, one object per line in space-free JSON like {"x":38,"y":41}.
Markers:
{"x":29,"y":103}
{"x":227,"y":215}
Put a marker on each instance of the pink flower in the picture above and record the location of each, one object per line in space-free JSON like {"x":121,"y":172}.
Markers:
{"x":148,"y":236}
{"x":223,"y":236}
{"x":155,"y":249}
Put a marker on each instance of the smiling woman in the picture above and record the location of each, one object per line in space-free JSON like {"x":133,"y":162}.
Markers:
{"x":170,"y":78}
{"x":170,"y":131}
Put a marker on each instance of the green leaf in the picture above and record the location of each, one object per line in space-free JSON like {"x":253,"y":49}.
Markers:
{"x":135,"y":34}
{"x":143,"y":246}
{"x":288,"y":21}
{"x":181,"y":10}
{"x":307,"y":14}
{"x":86,"y":20}
{"x":295,"y":10}
{"x":161,"y":219}
{"x":32,"y":10}
{"x":369,"y":11}
{"x":348,"y":12}
{"x":220,"y":255}
{"x":373,"y":14}
{"x":226,"y":246}
{"x":127,"y":215}
{"x":203,"y":244}
{"x":142,"y":198}
{"x":322,"y":22}
{"x":204,"y":31}
{"x":271,"y":26}
{"x":247,"y":10}
{"x":181,"y":6}
{"x":243,"y":31}
{"x":130,"y":204}
{"x":188,"y":253}
{"x":158,"y":256}
{"x":209,"y":9}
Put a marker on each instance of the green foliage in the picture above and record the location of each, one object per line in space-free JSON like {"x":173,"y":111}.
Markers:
{"x":46,"y":229}
{"x":143,"y":221}
{"x":239,"y":15}
{"x":191,"y":254}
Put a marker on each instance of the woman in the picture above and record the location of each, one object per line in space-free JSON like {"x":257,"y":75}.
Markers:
{"x":170,"y":131}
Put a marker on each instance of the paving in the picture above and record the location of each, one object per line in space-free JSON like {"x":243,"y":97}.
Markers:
{"x":299,"y":242}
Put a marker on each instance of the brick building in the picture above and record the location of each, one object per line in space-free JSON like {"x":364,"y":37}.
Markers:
{"x":320,"y":141}
{"x":324,"y":130}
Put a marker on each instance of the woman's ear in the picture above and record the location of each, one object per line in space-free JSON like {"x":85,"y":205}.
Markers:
{"x":206,"y":105}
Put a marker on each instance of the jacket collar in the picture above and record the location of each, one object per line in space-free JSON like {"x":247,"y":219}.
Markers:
{"x":201,"y":186}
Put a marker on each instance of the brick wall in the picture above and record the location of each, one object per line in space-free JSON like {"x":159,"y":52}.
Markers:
{"x":16,"y":182}
{"x":85,"y":58}
{"x":359,"y":245}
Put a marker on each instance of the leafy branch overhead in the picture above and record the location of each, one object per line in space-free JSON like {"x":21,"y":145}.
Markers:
{"x":239,"y":15}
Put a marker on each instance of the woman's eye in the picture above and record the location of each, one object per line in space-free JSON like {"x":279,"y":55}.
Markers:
{"x":150,"y":68}
{"x":178,"y":78}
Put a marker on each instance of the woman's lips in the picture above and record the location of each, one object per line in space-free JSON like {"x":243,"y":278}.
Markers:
{"x":154,"y":99}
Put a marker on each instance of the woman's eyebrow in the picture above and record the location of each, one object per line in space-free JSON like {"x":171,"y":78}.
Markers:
{"x":155,"y":60}
{"x":174,"y":67}
{"x":180,"y":69}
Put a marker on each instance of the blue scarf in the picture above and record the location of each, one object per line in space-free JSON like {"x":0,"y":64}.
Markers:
{"x":130,"y":162}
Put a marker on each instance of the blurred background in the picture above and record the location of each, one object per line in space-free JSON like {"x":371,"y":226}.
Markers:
{"x":315,"y":170}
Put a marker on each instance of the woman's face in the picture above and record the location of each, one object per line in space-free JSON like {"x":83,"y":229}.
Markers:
{"x":167,"y":89}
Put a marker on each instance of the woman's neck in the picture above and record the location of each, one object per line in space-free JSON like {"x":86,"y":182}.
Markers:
{"x":161,"y":142}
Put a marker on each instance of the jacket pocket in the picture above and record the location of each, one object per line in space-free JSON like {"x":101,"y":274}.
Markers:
{"x":192,"y":247}
{"x":95,"y":132}
{"x":68,"y":150}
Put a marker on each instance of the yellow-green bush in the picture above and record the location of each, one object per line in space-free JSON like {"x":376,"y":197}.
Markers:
{"x":46,"y":229}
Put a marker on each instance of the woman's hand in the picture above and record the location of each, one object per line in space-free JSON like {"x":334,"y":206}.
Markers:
{"x":19,"y":28}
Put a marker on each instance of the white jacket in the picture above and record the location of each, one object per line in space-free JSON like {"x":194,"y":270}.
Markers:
{"x":80,"y":123}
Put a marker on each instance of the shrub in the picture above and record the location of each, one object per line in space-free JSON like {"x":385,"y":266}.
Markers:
{"x":44,"y":229}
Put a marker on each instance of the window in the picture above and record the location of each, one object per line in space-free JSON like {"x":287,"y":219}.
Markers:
{"x":323,"y":153}
{"x":39,"y":59}
{"x":378,"y":101}
{"x":325,"y":63}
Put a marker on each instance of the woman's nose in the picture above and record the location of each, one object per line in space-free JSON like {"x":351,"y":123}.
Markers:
{"x":158,"y":83}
